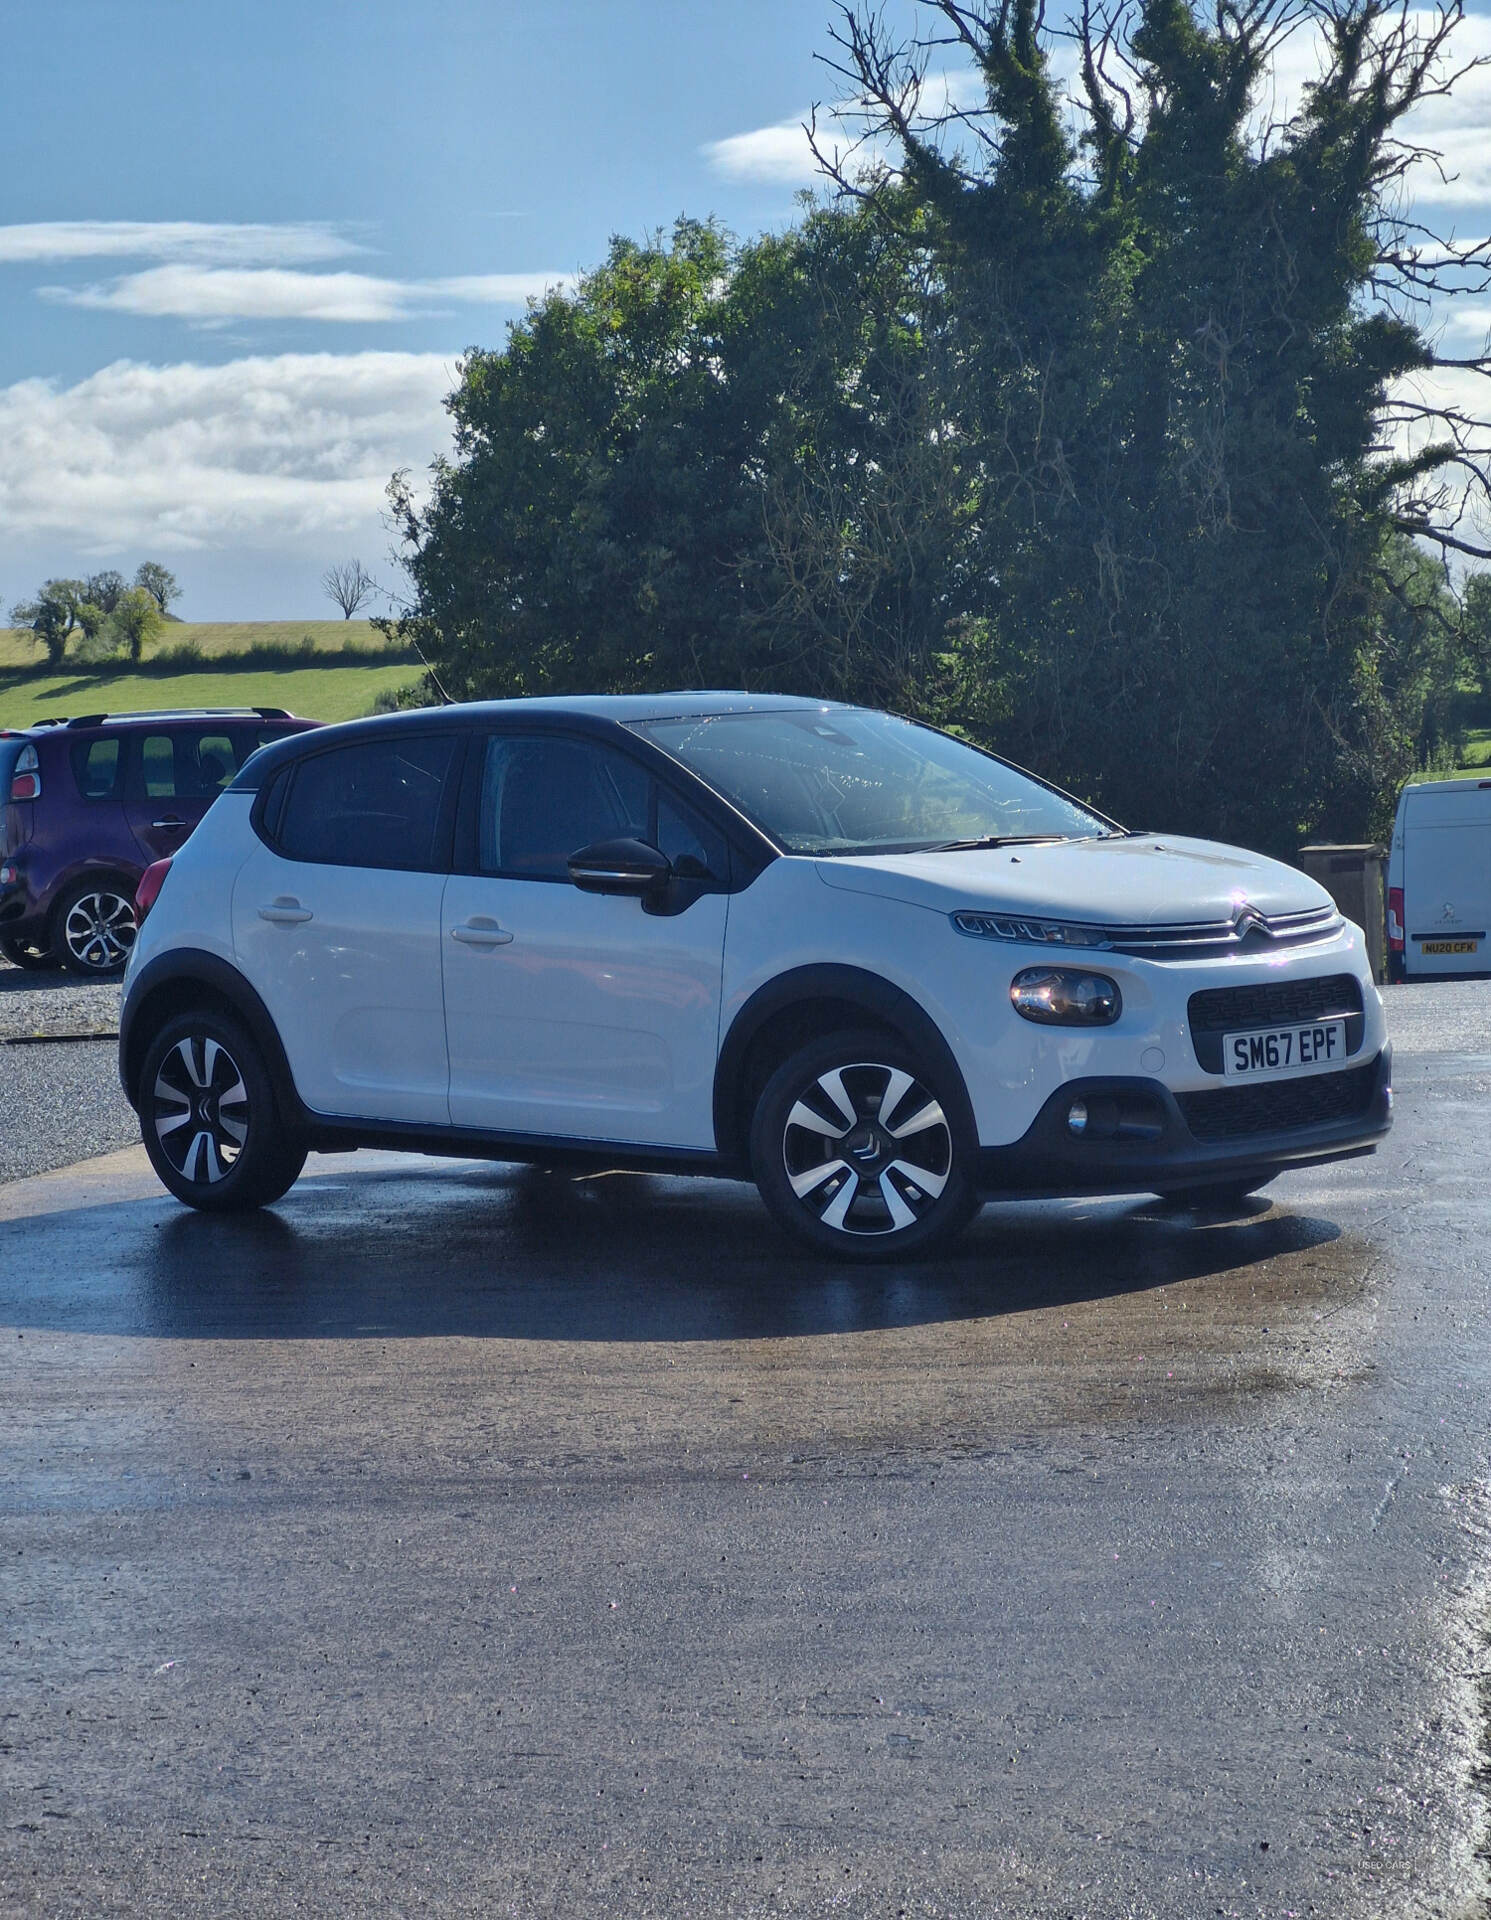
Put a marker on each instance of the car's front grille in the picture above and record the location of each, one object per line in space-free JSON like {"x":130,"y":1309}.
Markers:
{"x":1279,"y":1106}
{"x":1247,"y":931}
{"x":1273,"y":1003}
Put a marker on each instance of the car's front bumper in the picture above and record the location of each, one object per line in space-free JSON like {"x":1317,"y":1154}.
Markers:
{"x":1143,"y":1138}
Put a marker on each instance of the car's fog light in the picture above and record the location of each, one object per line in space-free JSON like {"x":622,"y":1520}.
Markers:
{"x":1062,"y":997}
{"x":1076,"y":1116}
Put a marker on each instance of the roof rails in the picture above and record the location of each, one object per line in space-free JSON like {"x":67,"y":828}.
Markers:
{"x":168,"y":713}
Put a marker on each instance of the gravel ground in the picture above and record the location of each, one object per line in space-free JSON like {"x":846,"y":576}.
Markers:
{"x":60,"y":1099}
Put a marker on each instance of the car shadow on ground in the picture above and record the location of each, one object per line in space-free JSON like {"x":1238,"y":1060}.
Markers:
{"x":47,"y":979}
{"x":514,"y":1253}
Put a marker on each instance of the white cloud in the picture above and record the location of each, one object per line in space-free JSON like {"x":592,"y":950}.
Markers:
{"x":781,"y":155}
{"x":778,"y":155}
{"x":289,"y":454}
{"x":208,"y":243}
{"x":219,"y":294}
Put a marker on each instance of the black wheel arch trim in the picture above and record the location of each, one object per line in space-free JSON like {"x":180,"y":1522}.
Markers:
{"x":856,"y":987}
{"x":188,"y":966}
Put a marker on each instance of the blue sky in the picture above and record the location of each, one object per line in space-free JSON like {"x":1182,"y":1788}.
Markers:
{"x":241,"y":248}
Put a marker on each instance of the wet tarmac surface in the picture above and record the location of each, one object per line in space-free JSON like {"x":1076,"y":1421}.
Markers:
{"x":464,"y":1540}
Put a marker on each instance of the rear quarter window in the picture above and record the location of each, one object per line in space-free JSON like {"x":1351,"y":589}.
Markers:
{"x":95,"y":767}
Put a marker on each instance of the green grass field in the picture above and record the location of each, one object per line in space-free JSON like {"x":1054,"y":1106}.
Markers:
{"x":341,"y":678}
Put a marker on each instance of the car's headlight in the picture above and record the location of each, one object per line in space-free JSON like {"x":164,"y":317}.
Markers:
{"x":1062,"y":997}
{"x":1030,"y":933}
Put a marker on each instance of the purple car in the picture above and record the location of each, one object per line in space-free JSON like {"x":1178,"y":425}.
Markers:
{"x":87,"y":804}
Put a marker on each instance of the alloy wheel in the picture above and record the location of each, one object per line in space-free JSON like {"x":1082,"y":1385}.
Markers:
{"x":98,"y":930}
{"x":200,"y":1109}
{"x":867,"y":1149}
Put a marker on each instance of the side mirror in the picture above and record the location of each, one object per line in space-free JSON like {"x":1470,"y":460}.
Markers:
{"x":627,"y":867}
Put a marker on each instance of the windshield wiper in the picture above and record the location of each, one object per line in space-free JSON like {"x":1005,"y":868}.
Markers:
{"x":1001,"y":840}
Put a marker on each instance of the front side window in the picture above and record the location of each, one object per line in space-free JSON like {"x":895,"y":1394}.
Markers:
{"x":544,"y":798}
{"x":376,"y":804}
{"x":824,"y":781}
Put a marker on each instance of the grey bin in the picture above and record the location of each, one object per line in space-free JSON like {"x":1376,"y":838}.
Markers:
{"x":1356,"y":879}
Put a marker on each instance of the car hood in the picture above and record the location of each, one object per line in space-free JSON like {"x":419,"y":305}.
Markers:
{"x":1137,"y":880}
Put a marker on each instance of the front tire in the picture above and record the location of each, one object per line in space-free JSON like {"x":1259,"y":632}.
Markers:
{"x":855,"y":1151}
{"x":208,"y":1117}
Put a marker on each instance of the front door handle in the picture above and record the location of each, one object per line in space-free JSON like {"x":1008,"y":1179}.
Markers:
{"x":285,"y":912}
{"x":169,"y":825}
{"x":479,"y":931}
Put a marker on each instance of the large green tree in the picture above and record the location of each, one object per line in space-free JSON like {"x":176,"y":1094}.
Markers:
{"x":1185,"y":336}
{"x":1080,"y":425}
{"x":712,"y":464}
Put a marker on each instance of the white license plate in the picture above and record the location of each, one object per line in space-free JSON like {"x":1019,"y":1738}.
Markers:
{"x":1307,"y":1049}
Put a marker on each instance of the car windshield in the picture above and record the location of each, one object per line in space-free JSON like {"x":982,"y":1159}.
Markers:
{"x":831,"y":781}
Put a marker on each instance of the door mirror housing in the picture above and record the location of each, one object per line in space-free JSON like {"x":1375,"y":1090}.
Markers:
{"x":628,"y":867}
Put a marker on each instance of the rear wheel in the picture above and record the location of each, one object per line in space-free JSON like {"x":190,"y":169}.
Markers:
{"x":208,"y":1116}
{"x":855,"y":1152}
{"x":21,"y":953}
{"x":93,"y":928}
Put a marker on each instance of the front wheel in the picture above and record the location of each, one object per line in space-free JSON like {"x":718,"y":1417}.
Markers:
{"x":856,"y":1154}
{"x":208,"y":1117}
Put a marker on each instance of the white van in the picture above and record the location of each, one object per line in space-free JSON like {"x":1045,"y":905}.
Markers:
{"x":1439,"y":881}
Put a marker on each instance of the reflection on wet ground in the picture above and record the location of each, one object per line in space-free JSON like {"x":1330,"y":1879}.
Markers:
{"x":516,"y":1253}
{"x":1049,"y":1314}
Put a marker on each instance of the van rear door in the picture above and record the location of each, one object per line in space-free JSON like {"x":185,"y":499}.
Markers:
{"x":1447,"y":878}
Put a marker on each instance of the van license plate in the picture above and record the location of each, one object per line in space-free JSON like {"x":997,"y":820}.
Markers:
{"x":1449,"y":946}
{"x":1307,"y":1049}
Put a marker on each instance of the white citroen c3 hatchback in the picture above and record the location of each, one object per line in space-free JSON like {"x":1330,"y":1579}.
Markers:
{"x":886,"y":975}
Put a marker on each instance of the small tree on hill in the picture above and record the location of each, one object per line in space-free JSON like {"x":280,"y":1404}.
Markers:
{"x":159,"y":582}
{"x":52,"y":616}
{"x":350,"y":585}
{"x":135,"y":620}
{"x":104,"y":589}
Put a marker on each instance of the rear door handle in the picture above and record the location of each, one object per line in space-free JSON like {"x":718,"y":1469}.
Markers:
{"x":285,"y":912}
{"x":170,"y":823}
{"x":480,"y":932}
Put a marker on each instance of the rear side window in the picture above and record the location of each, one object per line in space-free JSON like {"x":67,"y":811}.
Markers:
{"x":95,"y":765}
{"x":377,"y":804}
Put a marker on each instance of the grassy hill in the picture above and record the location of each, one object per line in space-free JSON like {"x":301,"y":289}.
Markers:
{"x":322,"y":669}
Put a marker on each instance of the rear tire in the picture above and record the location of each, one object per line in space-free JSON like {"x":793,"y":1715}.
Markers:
{"x":208,"y":1117}
{"x":93,"y":928}
{"x":855,"y":1153}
